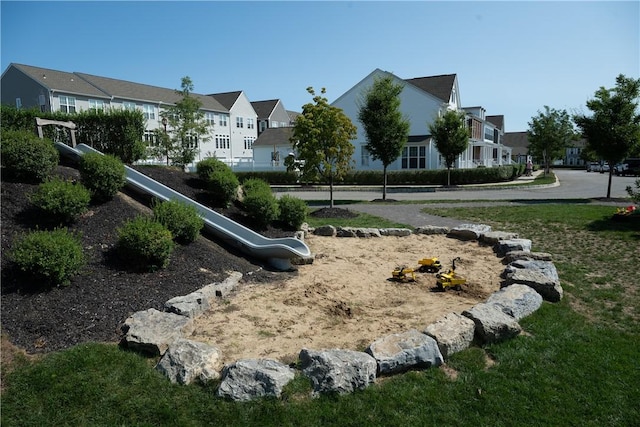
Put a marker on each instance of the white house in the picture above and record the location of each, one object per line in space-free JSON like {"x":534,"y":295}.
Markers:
{"x":243,"y":119}
{"x":271,"y":114}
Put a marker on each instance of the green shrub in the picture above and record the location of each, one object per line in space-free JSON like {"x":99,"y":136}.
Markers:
{"x":145,"y":243}
{"x":262,"y":206}
{"x":103,"y":175}
{"x":223,"y":185}
{"x":27,"y":157}
{"x":61,"y":199}
{"x":206,"y":167}
{"x":293,"y":211}
{"x":181,"y":219}
{"x":51,"y":257}
{"x":255,"y":185}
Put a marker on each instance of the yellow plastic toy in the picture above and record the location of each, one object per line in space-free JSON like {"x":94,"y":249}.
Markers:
{"x":450,"y":279}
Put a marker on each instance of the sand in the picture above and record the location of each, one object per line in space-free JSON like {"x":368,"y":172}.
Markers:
{"x":346,"y":298}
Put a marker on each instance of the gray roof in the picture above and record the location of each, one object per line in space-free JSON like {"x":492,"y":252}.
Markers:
{"x":438,"y":86}
{"x":274,"y":136}
{"x":518,"y":141}
{"x":293,"y":115}
{"x":264,"y":108}
{"x":105,"y":87}
{"x":498,"y":121}
{"x":418,"y":138}
{"x":61,"y":81}
{"x":227,"y":98}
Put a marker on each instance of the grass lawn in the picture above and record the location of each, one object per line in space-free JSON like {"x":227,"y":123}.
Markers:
{"x":577,"y":363}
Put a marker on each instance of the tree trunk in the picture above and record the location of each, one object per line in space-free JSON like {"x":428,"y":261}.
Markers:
{"x":331,"y":192}
{"x":609,"y":185}
{"x":448,"y":176}
{"x":384,"y":183}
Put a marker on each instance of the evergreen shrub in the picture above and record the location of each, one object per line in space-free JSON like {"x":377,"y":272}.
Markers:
{"x":293,"y":211}
{"x":61,"y":199}
{"x":27,"y":157}
{"x":145,"y":244}
{"x":181,"y":219}
{"x":104,"y":175}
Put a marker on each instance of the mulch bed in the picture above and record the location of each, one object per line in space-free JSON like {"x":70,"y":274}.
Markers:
{"x":95,"y":304}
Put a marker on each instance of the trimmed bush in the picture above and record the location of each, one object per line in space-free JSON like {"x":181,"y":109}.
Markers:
{"x":255,"y":185}
{"x":293,"y":211}
{"x":61,"y":199}
{"x":206,"y":167}
{"x":27,"y":157}
{"x":223,"y":186}
{"x":181,"y":219}
{"x":51,"y":257}
{"x":262,"y":207}
{"x":103,"y":175}
{"x":145,"y":244}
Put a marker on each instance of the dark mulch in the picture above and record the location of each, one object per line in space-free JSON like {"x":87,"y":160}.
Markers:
{"x":333,"y":213}
{"x":98,"y":300}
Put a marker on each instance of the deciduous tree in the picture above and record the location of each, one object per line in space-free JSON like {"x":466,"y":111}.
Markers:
{"x":322,"y":138}
{"x":613,"y":128}
{"x":385,"y":127}
{"x":550,"y":133}
{"x":451,"y":137}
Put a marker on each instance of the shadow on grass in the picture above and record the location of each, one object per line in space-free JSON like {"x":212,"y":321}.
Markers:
{"x":614,"y":223}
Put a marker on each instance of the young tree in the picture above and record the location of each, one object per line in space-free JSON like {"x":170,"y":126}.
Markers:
{"x":187,"y":127}
{"x":385,"y":127}
{"x":451,"y":137}
{"x":322,"y":138}
{"x":550,"y":134}
{"x":613,"y":130}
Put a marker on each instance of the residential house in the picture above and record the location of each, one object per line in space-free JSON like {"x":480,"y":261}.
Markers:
{"x":422,"y":100}
{"x":271,"y":114}
{"x":271,"y":148}
{"x":519,"y":144}
{"x":51,"y":90}
{"x":244,"y":132}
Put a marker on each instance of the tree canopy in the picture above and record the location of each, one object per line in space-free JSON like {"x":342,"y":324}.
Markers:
{"x":550,"y":133}
{"x":451,"y":137}
{"x":187,"y":128}
{"x":322,"y":138}
{"x":385,"y":127}
{"x":613,"y":128}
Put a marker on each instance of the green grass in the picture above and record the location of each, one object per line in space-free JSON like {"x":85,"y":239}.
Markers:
{"x":577,"y":363}
{"x":362,"y":220}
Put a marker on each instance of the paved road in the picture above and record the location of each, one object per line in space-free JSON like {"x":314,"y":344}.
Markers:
{"x":572,"y":184}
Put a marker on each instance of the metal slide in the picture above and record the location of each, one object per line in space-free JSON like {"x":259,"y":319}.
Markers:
{"x":277,"y":252}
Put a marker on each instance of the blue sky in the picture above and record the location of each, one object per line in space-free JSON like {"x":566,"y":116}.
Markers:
{"x":510,"y":57}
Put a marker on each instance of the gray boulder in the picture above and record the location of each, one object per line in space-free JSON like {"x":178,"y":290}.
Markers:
{"x":512,"y":256}
{"x":188,"y":361}
{"x":221,"y":289}
{"x":545,"y":267}
{"x":469,"y":231}
{"x":453,"y":333}
{"x":325,"y":230}
{"x":151,"y":331}
{"x":338,"y":371}
{"x":404,"y":351}
{"x":249,"y":379}
{"x":549,"y":289}
{"x":492,"y":324}
{"x":517,"y":301}
{"x":431,"y":229}
{"x":397,"y":232}
{"x":493,"y":237}
{"x":190,"y":305}
{"x":504,"y":246}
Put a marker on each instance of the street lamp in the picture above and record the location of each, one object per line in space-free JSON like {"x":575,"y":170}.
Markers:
{"x":164,"y":123}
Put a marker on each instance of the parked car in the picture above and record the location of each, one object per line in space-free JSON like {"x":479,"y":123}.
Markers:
{"x":604,"y":168}
{"x":593,"y":167}
{"x":631,"y":167}
{"x":619,"y":168}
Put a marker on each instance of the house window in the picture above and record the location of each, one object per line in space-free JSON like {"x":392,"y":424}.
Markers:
{"x":263,"y":125}
{"x":414,"y":157}
{"x":239,"y":123}
{"x":274,"y":124}
{"x":222,"y":141}
{"x":223,"y":120}
{"x":364,"y":156}
{"x":488,"y":133}
{"x":248,"y":142}
{"x":283,"y":124}
{"x":18,"y":103}
{"x":67,"y":104}
{"x":250,"y":123}
{"x":210,"y":118}
{"x":190,"y":141}
{"x":149,"y":112}
{"x":96,"y":104}
{"x":129,"y":106}
{"x":150,"y":138}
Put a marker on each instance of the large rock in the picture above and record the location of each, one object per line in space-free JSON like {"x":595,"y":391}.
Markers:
{"x":512,"y":256}
{"x":151,"y":331}
{"x":191,"y":305}
{"x":221,"y":289}
{"x":396,"y":232}
{"x":492,"y":324}
{"x":469,"y":231}
{"x":431,"y":229}
{"x":502,"y":247}
{"x":493,"y":237}
{"x":545,"y":267}
{"x":404,"y":351}
{"x":549,"y":289}
{"x":325,"y":230}
{"x":517,"y":301}
{"x":188,"y":361}
{"x":338,"y":371}
{"x":453,"y":333}
{"x":249,"y":379}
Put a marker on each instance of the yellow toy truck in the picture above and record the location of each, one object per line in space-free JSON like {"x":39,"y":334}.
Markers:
{"x":430,"y":265}
{"x":450,"y":279}
{"x":404,"y":274}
